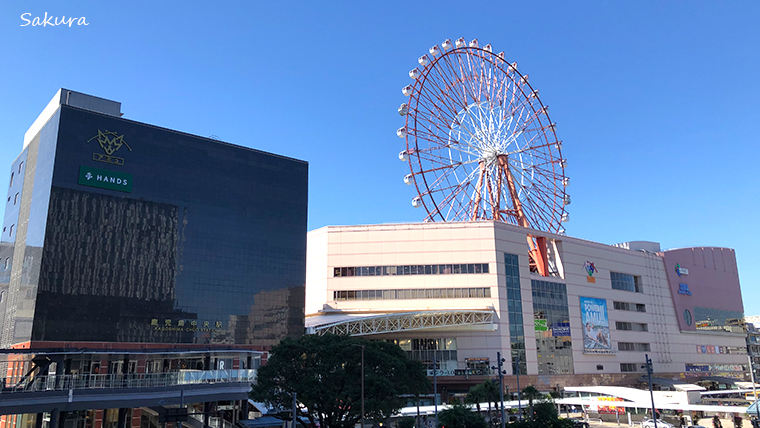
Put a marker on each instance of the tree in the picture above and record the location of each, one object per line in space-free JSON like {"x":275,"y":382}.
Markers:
{"x":406,"y":422}
{"x":460,"y":416}
{"x":325,"y":373}
{"x":531,"y":393}
{"x":487,"y":391}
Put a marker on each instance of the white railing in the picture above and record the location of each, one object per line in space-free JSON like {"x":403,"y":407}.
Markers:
{"x":131,"y":380}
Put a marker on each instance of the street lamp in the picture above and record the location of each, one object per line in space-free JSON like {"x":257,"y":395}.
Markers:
{"x":651,"y":394}
{"x":362,"y":346}
{"x":500,"y":364}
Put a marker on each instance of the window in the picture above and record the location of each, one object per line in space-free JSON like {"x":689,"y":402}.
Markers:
{"x":687,"y":317}
{"x":412,"y":293}
{"x":19,"y":167}
{"x":625,"y":282}
{"x":625,"y":306}
{"x":628,"y":367}
{"x":10,"y":232}
{"x":635,"y":347}
{"x":7,"y":263}
{"x":406,"y":270}
{"x":11,"y":180}
{"x":15,"y":199}
{"x":631,"y":326}
{"x":599,"y":367}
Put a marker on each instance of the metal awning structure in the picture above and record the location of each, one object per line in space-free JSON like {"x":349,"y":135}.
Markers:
{"x":406,"y":321}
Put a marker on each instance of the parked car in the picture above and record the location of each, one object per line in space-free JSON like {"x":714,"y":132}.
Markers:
{"x":649,"y":423}
{"x":695,"y":426}
{"x":579,"y":423}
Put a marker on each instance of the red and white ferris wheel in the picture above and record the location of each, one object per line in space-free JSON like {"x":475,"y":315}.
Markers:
{"x":479,"y":142}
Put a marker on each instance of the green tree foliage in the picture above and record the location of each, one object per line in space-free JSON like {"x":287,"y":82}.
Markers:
{"x":325,"y":372}
{"x":545,"y":416}
{"x":460,"y":416}
{"x":531,"y":394}
{"x":406,"y":422}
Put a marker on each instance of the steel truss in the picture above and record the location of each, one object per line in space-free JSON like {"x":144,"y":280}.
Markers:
{"x":407,"y":321}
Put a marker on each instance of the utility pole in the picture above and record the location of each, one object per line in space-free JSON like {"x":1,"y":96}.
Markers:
{"x":362,"y":346}
{"x":519,"y":393}
{"x":499,"y":367}
{"x":295,"y":413}
{"x":651,"y":394}
{"x":754,"y":389}
{"x":435,"y":385}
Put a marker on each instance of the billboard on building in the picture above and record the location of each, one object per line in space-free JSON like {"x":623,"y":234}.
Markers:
{"x":596,"y":326}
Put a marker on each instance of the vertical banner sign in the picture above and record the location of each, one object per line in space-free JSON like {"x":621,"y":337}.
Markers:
{"x":596,"y":326}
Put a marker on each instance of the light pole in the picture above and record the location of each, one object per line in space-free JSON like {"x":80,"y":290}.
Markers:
{"x":500,"y":365}
{"x":435,"y":386}
{"x":519,"y":393}
{"x":754,"y":390}
{"x":362,"y":346}
{"x":651,"y":394}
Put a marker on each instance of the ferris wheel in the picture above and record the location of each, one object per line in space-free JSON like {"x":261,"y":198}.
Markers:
{"x":479,"y":141}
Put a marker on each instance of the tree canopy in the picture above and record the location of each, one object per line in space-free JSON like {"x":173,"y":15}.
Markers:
{"x":460,"y":416}
{"x":325,"y":373}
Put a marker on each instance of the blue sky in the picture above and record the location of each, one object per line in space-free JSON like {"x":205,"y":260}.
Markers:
{"x":656,"y":102}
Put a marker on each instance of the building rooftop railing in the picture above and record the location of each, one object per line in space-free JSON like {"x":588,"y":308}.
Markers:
{"x":16,"y":385}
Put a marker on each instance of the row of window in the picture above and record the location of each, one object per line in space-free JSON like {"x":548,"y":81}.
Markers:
{"x":411,"y":270}
{"x":10,"y":232}
{"x":626,"y":306}
{"x":631,"y":326}
{"x":414,"y":293}
{"x":626,"y":282}
{"x":633,"y":346}
{"x":15,"y":198}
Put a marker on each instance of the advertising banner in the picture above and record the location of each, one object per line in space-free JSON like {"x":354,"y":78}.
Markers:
{"x":596,"y":326}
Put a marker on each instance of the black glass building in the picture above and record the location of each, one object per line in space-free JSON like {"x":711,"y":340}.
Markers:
{"x":119,"y":231}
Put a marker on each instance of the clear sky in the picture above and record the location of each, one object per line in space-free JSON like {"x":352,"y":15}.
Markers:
{"x":656,"y":102}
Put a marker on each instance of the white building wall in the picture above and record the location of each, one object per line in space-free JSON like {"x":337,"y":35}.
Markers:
{"x":487,"y":242}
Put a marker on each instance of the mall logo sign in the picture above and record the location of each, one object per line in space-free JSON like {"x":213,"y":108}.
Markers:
{"x":110,"y":142}
{"x":684,"y":289}
{"x":105,"y":179}
{"x":681,"y":271}
{"x":590,"y":271}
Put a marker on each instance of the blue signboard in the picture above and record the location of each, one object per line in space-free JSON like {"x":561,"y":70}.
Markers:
{"x":560,"y":329}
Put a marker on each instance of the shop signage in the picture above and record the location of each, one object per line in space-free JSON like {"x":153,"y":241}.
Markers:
{"x":684,"y":289}
{"x":540,"y":325}
{"x":697,"y":368}
{"x":105,"y":179}
{"x":110,"y":142}
{"x":441,"y":372}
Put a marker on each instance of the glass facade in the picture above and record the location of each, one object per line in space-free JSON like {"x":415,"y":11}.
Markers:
{"x":207,"y":244}
{"x":514,"y":308}
{"x":554,"y":346}
{"x":718,"y":320}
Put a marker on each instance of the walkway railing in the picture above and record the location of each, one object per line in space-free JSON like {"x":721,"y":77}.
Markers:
{"x":13,"y":385}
